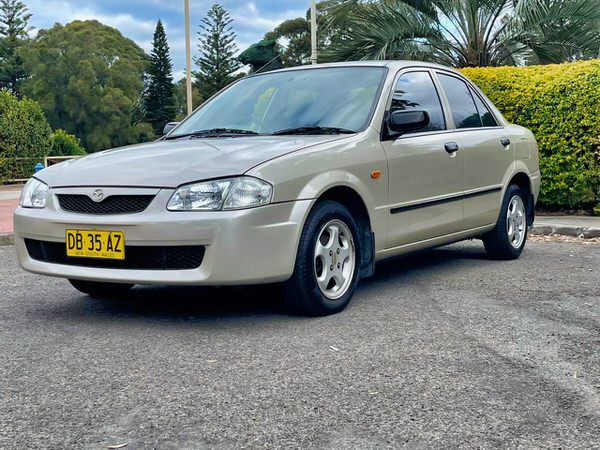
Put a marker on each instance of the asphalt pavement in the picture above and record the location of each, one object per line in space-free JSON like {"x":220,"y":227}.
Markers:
{"x":445,"y":349}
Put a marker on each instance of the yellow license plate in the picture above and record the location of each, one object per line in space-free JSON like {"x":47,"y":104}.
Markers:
{"x":95,"y":244}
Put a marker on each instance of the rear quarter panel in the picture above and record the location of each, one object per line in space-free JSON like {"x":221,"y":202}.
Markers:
{"x":526,"y":156}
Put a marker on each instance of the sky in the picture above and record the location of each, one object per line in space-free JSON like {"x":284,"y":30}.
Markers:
{"x":136,"y":19}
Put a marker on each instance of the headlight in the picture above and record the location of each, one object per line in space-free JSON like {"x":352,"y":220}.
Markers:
{"x":228,"y":193}
{"x":34,"y":194}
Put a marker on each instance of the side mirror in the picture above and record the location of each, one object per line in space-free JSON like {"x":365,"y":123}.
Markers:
{"x":405,"y":121}
{"x":169,"y":127}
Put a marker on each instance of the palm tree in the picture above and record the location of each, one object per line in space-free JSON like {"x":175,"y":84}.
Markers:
{"x":464,"y":33}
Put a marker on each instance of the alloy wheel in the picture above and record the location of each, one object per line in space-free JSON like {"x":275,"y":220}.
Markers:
{"x":335,"y":258}
{"x":515,"y":222}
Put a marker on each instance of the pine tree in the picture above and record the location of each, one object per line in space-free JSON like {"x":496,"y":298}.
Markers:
{"x":217,"y":63}
{"x":14,"y":29}
{"x":159,"y":99}
{"x":14,"y":19}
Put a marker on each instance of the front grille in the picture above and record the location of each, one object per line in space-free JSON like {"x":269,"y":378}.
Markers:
{"x":115,"y":204}
{"x":143,"y":257}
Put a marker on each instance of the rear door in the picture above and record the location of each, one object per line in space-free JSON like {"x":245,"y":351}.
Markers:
{"x":487,"y":149}
{"x":425,"y":179}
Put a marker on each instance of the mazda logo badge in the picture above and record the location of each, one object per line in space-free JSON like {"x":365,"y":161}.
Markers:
{"x":98,"y":195}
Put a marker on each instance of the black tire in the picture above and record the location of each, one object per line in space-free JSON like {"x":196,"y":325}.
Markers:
{"x":301,"y":292}
{"x":99,"y":289}
{"x":497,"y":242}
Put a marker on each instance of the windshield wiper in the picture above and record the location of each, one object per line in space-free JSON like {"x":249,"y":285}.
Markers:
{"x":313,"y":130}
{"x":215,"y":132}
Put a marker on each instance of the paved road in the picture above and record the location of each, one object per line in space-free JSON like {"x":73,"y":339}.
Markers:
{"x":441,"y":350}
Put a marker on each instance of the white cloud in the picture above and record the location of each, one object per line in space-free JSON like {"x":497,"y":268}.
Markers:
{"x":127,"y":24}
{"x":250,"y":17}
{"x":48,"y":12}
{"x":178,"y":74}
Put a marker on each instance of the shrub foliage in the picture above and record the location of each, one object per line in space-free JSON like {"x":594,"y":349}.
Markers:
{"x":560,"y":103}
{"x":25,"y":136}
{"x":65,"y":144}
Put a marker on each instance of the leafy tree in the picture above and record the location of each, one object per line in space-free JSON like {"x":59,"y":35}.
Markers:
{"x":25,"y":136}
{"x":466,"y":33}
{"x":297,"y":34}
{"x":87,"y":77}
{"x":159,"y":100}
{"x":14,"y":29}
{"x":216,"y":63}
{"x":65,"y":144}
{"x":181,"y":99}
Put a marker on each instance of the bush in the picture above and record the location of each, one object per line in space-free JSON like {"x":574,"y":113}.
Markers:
{"x":25,"y":136}
{"x":560,"y":103}
{"x":64,"y":144}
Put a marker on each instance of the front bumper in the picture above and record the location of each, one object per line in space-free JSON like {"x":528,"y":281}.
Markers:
{"x":241,"y":247}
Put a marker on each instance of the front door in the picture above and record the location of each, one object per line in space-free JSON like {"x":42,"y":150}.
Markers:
{"x":426,"y":170}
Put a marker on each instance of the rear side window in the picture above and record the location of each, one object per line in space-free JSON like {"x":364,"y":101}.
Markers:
{"x":463,"y":108}
{"x":487,"y":119}
{"x":416,"y":91}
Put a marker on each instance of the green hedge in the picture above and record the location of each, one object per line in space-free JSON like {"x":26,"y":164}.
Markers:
{"x":65,"y":144}
{"x":560,"y":103}
{"x":25,"y":136}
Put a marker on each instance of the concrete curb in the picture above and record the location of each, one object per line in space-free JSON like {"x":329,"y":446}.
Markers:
{"x":7,"y":239}
{"x":582,"y":232}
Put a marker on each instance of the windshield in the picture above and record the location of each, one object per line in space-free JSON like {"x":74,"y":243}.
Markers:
{"x":332,"y":97}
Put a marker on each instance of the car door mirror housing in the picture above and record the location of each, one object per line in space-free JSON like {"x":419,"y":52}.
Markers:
{"x":169,"y":127}
{"x":403,"y":121}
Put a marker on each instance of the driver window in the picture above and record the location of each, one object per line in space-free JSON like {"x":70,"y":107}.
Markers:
{"x":415,"y":90}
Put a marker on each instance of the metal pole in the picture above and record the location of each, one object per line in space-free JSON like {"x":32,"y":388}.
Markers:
{"x":313,"y":31}
{"x":188,"y":56}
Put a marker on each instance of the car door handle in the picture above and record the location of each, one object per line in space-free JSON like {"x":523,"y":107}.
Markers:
{"x":505,"y":141}
{"x":451,"y":147}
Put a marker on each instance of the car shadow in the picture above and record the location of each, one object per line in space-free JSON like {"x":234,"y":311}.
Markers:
{"x":187,"y":303}
{"x":398,"y":268}
{"x":184,"y":304}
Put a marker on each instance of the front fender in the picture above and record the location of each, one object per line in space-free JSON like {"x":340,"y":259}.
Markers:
{"x":322,"y":182}
{"x":309,"y":173}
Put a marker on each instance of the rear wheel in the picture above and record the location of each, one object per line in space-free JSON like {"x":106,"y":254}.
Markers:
{"x":326,"y":270}
{"x":507,"y":239}
{"x":99,"y":289}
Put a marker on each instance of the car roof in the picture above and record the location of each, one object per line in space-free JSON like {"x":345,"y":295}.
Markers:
{"x":392,"y":64}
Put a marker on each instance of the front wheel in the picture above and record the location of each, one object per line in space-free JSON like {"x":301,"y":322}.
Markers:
{"x":326,"y":270}
{"x":507,"y":239}
{"x":99,"y":289}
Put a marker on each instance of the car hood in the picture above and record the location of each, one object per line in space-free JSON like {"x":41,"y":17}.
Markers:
{"x":171,"y":163}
